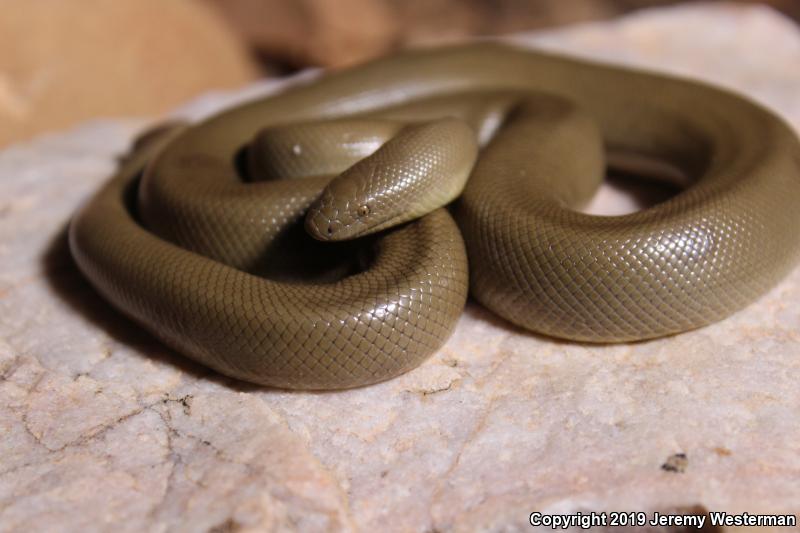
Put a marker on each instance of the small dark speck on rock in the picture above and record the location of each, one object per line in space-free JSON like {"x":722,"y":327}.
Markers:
{"x":228,"y":526}
{"x":676,"y":463}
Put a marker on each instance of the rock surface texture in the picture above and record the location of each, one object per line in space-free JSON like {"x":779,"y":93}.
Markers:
{"x":103,"y":428}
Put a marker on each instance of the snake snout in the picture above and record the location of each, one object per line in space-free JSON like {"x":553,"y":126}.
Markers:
{"x":320,"y":226}
{"x":335,"y":216}
{"x":325,"y":223}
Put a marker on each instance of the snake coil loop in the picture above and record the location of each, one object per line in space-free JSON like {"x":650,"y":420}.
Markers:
{"x":216,"y":266}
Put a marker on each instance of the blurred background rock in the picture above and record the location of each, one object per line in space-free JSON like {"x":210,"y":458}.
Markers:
{"x":63,"y":62}
{"x":331,"y":33}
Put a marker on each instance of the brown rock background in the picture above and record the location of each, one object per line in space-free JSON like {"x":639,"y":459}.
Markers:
{"x":335,"y":33}
{"x":65,"y":62}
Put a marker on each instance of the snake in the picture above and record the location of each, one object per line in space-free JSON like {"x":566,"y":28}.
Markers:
{"x":328,"y":236}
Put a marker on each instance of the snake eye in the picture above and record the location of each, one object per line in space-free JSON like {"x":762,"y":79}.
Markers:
{"x":363,"y":210}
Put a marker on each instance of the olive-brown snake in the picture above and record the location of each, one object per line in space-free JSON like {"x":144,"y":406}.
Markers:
{"x":221,"y":269}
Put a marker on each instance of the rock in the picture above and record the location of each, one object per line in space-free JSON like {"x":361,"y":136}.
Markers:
{"x":62,"y":63}
{"x":104,"y":428}
{"x":333,"y":34}
{"x":313,"y":32}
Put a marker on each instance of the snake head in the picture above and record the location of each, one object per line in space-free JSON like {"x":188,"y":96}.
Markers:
{"x":346,"y":209}
{"x":423,"y":167}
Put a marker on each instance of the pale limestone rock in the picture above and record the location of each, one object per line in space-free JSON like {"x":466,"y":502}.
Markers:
{"x":105,"y":429}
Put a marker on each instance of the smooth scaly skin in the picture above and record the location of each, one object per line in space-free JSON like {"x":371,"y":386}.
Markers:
{"x":681,"y":264}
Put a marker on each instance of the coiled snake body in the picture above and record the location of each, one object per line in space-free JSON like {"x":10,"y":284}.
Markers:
{"x":195,"y":240}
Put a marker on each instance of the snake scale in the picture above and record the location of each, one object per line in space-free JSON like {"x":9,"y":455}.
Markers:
{"x":204,"y":236}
